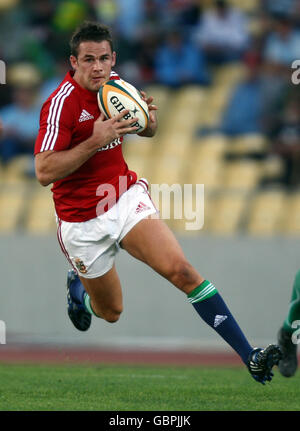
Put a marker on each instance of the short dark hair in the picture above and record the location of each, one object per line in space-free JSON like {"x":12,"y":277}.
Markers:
{"x":90,"y":31}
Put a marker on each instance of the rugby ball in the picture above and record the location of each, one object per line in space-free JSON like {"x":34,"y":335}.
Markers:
{"x":116,"y":95}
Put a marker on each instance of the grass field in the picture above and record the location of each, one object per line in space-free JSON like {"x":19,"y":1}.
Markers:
{"x":142,"y":388}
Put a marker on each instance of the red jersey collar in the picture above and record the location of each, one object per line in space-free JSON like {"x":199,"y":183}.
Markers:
{"x":87,"y":94}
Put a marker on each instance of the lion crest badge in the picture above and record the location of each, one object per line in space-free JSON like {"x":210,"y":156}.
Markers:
{"x":80,"y":265}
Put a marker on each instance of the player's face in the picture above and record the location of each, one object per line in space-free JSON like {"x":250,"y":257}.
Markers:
{"x":93,"y":64}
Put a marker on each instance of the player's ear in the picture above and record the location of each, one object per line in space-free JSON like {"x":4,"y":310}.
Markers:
{"x":114,"y":58}
{"x":73,"y":61}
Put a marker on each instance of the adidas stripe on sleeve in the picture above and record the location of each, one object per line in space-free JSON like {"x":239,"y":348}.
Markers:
{"x":55,"y":130}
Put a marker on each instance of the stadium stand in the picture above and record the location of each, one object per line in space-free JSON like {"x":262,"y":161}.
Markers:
{"x":266,"y":212}
{"x":291,"y":219}
{"x":242,"y":175}
{"x":40,"y":214}
{"x":227,"y":214}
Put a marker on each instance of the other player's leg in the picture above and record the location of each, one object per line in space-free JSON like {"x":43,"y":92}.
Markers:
{"x":289,"y":363}
{"x":152,"y":242}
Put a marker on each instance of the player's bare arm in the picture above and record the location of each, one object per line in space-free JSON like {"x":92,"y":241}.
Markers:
{"x":51,"y":166}
{"x":150,"y":131}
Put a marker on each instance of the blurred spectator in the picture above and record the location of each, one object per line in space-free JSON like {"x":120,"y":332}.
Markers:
{"x":179,"y":13}
{"x":286,"y":139}
{"x":279,"y":6}
{"x":62,"y":66}
{"x":67,"y":16}
{"x":189,"y":13}
{"x":222,"y":33}
{"x":21,"y":117}
{"x":282,"y":45}
{"x":179,"y":62}
{"x":153,"y":22}
{"x":39,"y":18}
{"x":13,"y":30}
{"x":147,"y":42}
{"x":70,"y":13}
{"x":296,"y":14}
{"x":37,"y":43}
{"x":145,"y":58}
{"x":130,"y":18}
{"x":106,"y":11}
{"x":244,"y":110}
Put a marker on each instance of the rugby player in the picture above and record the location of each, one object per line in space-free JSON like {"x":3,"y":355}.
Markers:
{"x":81,"y":154}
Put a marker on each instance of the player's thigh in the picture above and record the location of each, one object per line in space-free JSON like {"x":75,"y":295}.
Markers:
{"x":152,"y":242}
{"x":105,"y":291}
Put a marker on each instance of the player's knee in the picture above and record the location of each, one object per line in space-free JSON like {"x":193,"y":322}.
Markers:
{"x":112,"y":315}
{"x":181,"y":273}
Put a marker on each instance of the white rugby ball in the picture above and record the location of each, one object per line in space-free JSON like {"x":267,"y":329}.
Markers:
{"x":116,"y":95}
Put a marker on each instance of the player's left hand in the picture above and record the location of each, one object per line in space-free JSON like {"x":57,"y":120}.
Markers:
{"x":152,"y":126}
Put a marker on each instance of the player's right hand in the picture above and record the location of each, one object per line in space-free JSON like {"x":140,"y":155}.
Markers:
{"x":106,"y":131}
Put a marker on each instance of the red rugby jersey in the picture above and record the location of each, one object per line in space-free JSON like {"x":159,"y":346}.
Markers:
{"x":66,"y":120}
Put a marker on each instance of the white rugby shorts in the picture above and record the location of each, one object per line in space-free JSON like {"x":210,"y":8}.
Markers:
{"x":91,"y":246}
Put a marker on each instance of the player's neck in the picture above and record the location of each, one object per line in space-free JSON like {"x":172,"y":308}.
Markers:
{"x":78,"y":79}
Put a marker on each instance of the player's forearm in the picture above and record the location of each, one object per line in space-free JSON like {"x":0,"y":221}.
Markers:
{"x":52,"y":166}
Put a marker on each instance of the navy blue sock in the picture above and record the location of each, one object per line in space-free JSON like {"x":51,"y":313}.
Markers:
{"x":213,"y":310}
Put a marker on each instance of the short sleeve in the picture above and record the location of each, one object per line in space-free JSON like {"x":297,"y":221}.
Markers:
{"x":55,"y":122}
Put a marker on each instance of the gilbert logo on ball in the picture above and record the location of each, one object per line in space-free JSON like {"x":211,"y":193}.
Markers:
{"x":116,"y":96}
{"x":2,"y":72}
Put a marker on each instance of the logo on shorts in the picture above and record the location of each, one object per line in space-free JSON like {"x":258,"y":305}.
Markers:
{"x":80,"y":265}
{"x":141,"y":207}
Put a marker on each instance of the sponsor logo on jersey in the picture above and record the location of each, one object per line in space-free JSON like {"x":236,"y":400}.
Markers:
{"x":112,"y":145}
{"x":85,"y":115}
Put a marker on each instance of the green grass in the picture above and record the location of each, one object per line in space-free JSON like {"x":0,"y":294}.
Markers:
{"x":141,"y":388}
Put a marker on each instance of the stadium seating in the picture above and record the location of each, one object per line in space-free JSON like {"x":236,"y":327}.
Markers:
{"x":242,"y":175}
{"x":246,"y":5}
{"x":206,"y":162}
{"x":291,"y":218}
{"x":12,"y":206}
{"x":248,"y":145}
{"x":227,"y":213}
{"x":266,"y":213}
{"x":231,"y":169}
{"x":40,"y":215}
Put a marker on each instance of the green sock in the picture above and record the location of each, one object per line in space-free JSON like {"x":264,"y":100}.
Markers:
{"x":87,"y":304}
{"x":294,"y":306}
{"x":204,"y":291}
